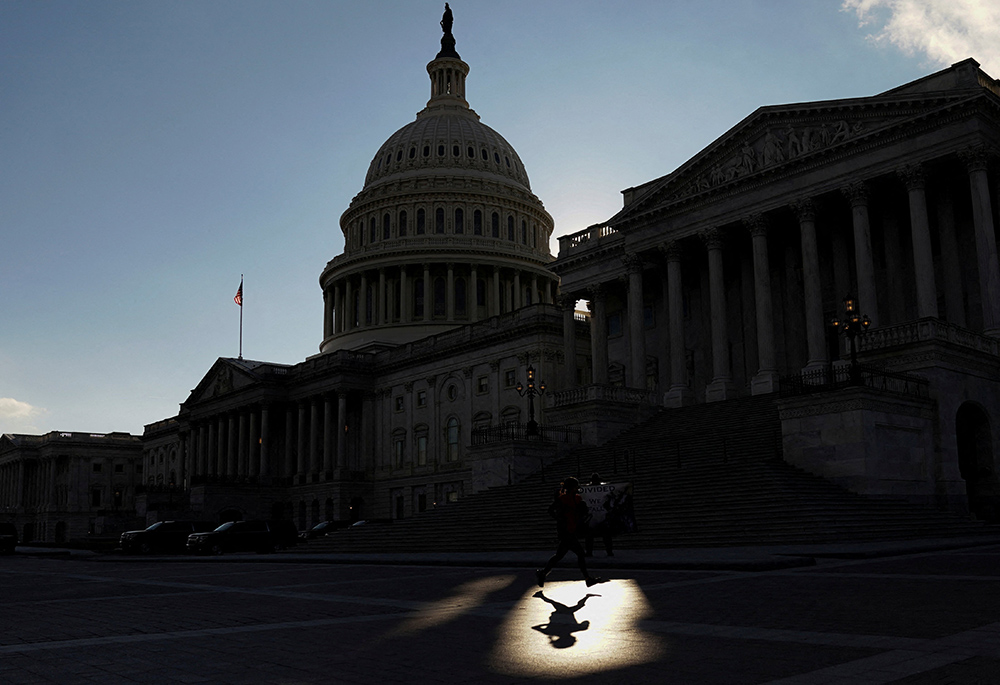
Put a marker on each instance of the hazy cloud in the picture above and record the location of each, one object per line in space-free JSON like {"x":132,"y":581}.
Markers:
{"x":17,"y":416}
{"x":943,"y":31}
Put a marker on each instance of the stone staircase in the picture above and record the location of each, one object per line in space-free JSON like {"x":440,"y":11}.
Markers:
{"x":707,"y":475}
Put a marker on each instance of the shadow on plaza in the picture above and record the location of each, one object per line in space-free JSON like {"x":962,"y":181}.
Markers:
{"x":562,"y":622}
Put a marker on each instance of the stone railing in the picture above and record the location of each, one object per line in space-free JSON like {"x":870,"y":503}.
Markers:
{"x":602,"y":393}
{"x":436,"y":242}
{"x":518,"y":432}
{"x":925,"y":330}
{"x":846,"y":376}
{"x":588,"y":236}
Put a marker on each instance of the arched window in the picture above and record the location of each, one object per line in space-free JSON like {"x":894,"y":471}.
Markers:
{"x":421,"y":221}
{"x":398,"y":447}
{"x":427,"y":150}
{"x":371,"y":230}
{"x":413,"y":152}
{"x":385,"y":226}
{"x":439,"y":297}
{"x":494,"y":224}
{"x":418,"y":297}
{"x":524,"y":232}
{"x":451,"y":436}
{"x":455,"y":151}
{"x":477,"y":222}
{"x":510,"y":228}
{"x":460,"y":296}
{"x":459,"y":221}
{"x":402,"y":224}
{"x":472,"y":152}
{"x":370,"y":305}
{"x":439,"y":220}
{"x":420,"y":440}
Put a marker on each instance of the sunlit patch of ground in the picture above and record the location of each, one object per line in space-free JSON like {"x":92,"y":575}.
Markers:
{"x":466,"y":597}
{"x":567,"y":630}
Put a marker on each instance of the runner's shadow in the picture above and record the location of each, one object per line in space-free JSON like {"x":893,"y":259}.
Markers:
{"x":562,"y":622}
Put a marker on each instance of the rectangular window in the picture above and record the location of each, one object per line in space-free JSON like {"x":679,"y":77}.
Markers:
{"x":97,"y":467}
{"x":138,"y":469}
{"x":95,"y":497}
{"x":422,"y":450}
{"x":452,"y":496}
{"x":421,"y":398}
{"x":483,"y":385}
{"x":510,"y":378}
{"x":398,"y":451}
{"x":421,"y":502}
{"x":119,"y":468}
{"x":399,"y":402}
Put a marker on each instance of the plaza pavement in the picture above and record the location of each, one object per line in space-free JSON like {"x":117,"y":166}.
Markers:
{"x":914,"y":613}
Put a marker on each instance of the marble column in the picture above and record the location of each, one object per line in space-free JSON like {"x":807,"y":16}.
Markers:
{"x":812,"y":295}
{"x":496,"y":309}
{"x":253,"y":465}
{"x":517,"y":302}
{"x":598,"y":336}
{"x":329,"y":426}
{"x":265,"y":442}
{"x":766,"y":378}
{"x":976,"y":161}
{"x":242,"y":443}
{"x":450,"y":293}
{"x":857,"y":193}
{"x":405,"y":300}
{"x":636,"y":321}
{"x":217,"y":439}
{"x":363,"y":321}
{"x":302,"y":434}
{"x":951,"y":261}
{"x":338,"y":309}
{"x":341,"y":429}
{"x":923,"y":258}
{"x":288,"y":466}
{"x":232,"y":445}
{"x":535,"y":297}
{"x":721,"y":387}
{"x":315,"y":435}
{"x":473,"y":292}
{"x":679,"y":393}
{"x":567,"y":303}
{"x":381,"y":297}
{"x":348,"y":305}
{"x":428,"y":293}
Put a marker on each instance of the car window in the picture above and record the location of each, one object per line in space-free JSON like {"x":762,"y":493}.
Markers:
{"x":156,"y":526}
{"x":225,"y":526}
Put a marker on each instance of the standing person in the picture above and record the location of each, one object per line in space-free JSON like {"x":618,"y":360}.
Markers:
{"x":604,"y":526}
{"x":570,"y":513}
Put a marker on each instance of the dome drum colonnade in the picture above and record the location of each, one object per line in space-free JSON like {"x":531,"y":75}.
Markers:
{"x":446,"y":230}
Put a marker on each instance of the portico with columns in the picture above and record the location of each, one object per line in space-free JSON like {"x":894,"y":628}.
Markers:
{"x":739,"y":259}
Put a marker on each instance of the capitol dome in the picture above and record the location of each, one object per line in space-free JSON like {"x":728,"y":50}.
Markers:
{"x":444,"y":232}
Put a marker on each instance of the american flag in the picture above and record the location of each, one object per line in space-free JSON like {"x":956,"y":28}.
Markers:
{"x":239,"y":295}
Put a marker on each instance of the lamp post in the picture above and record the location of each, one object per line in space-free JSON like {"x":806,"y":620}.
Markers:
{"x":530,"y":390}
{"x":852,"y":326}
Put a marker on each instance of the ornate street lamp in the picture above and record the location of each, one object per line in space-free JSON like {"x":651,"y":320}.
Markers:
{"x":852,"y":326}
{"x":531,"y":390}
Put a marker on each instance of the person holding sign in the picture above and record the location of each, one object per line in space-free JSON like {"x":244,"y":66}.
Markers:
{"x":602,"y":526}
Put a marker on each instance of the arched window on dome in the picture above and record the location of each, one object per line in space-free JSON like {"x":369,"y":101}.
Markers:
{"x":399,"y":155}
{"x":371,"y":230}
{"x":477,"y":222}
{"x":507,"y":159}
{"x":413,"y":152}
{"x":534,"y":235}
{"x":427,"y":150}
{"x":471,"y":152}
{"x":510,"y":228}
{"x":456,"y":151}
{"x":494,"y":225}
{"x":460,"y":297}
{"x":440,"y":150}
{"x":421,"y":221}
{"x":459,"y":221}
{"x":402,"y":223}
{"x":439,"y":297}
{"x":418,"y":297}
{"x":486,"y":155}
{"x":496,"y":158}
{"x":439,"y":220}
{"x":385,"y":226}
{"x":524,"y":232}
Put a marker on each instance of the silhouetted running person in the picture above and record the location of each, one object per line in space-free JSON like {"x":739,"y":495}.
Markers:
{"x":570,"y":513}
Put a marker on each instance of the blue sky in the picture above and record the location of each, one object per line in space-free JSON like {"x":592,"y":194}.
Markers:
{"x":153,"y":151}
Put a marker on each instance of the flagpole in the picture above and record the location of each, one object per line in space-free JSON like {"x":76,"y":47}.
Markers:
{"x":241,"y":316}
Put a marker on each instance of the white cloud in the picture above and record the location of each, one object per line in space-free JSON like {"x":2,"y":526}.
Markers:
{"x":17,"y":416}
{"x":943,"y":31}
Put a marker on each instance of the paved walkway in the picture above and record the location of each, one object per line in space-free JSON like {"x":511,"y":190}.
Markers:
{"x":912,"y":613}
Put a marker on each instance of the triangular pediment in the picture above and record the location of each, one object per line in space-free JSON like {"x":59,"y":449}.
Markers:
{"x":780,"y":138}
{"x":226,"y":376}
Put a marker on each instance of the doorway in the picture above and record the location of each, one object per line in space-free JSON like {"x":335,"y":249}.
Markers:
{"x":976,"y":463}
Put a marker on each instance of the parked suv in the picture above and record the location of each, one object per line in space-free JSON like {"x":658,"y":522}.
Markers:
{"x":245,"y":536}
{"x":163,"y":536}
{"x":8,"y":538}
